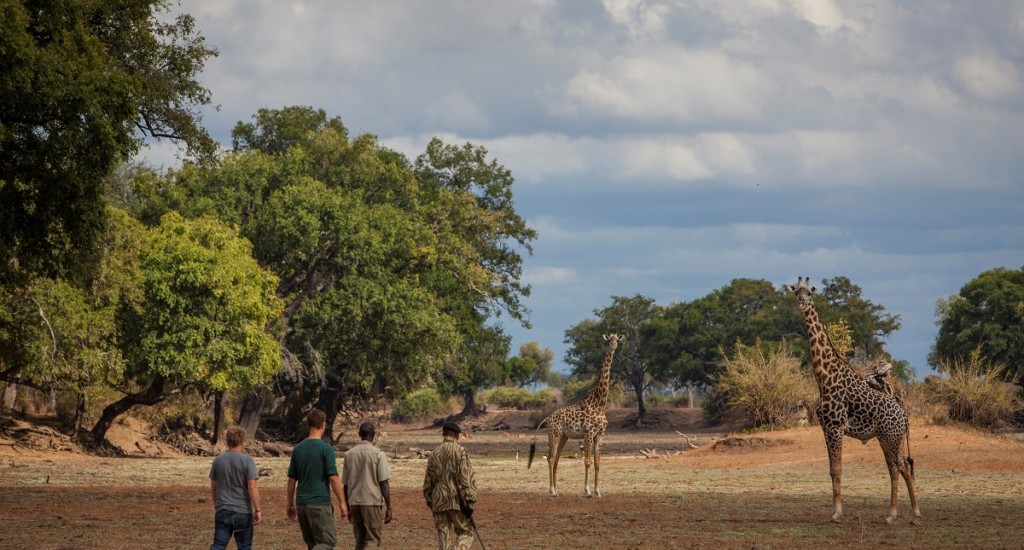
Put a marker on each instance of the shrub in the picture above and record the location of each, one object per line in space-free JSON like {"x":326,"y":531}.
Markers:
{"x":977,"y":393}
{"x":419,"y":404}
{"x":512,"y":397}
{"x":763,"y":383}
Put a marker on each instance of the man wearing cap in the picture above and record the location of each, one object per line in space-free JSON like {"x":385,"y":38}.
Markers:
{"x":450,"y":476}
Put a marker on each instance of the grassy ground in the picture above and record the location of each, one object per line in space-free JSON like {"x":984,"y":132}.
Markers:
{"x":771,"y":492}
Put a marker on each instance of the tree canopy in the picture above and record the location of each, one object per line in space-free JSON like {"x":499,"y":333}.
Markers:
{"x":80,"y":76}
{"x":986,"y":315}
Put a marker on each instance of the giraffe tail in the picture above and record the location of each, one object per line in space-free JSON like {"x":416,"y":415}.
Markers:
{"x":910,"y":459}
{"x":533,"y":450}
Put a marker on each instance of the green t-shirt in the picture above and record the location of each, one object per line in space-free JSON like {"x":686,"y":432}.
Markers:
{"x":312,"y":463}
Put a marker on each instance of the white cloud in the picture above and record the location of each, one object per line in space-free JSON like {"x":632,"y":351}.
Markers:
{"x":639,"y":17}
{"x":674,"y":84}
{"x":988,"y":77}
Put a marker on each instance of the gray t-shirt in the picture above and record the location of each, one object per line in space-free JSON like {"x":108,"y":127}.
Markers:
{"x":232,"y":471}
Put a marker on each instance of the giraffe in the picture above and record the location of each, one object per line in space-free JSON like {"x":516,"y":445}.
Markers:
{"x":849,"y":406}
{"x":584,"y":420}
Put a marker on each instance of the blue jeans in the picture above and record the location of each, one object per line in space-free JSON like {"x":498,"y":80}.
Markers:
{"x":227,"y":522}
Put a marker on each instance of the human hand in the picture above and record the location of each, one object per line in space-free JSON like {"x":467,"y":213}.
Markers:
{"x":291,"y":513}
{"x":387,"y":515}
{"x":257,"y":517}
{"x":344,"y":510}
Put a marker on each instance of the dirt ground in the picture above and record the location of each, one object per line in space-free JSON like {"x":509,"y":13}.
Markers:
{"x":703,"y":488}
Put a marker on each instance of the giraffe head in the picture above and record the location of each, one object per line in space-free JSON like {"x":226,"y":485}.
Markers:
{"x":804,"y":293}
{"x":613,"y":340}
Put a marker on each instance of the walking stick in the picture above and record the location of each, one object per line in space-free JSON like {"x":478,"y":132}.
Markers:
{"x":464,"y":506}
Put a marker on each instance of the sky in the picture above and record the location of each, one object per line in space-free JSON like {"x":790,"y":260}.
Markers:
{"x":665,"y":148}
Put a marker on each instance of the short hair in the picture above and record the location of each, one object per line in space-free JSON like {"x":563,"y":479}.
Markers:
{"x":235,"y":436}
{"x":316,"y":419}
{"x":367,"y":430}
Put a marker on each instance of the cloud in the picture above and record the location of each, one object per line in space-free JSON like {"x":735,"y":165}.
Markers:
{"x":682,"y":85}
{"x":988,"y":77}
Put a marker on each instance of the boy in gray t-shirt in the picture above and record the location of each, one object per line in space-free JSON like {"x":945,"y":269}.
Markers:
{"x":236,"y":497}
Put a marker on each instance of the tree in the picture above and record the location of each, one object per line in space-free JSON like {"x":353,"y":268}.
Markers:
{"x":80,"y":76}
{"x":62,"y":336}
{"x":202,"y":318}
{"x":686,"y":337}
{"x":631,"y":318}
{"x":531,"y":366}
{"x":988,"y":315}
{"x":274,"y":131}
{"x":868,"y":323}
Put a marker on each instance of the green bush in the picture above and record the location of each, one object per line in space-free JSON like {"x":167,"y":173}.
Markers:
{"x":419,"y":404}
{"x":512,"y":397}
{"x":977,"y":393}
{"x":764,"y":383}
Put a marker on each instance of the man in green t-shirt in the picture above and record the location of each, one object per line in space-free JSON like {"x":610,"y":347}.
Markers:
{"x":314,"y":472}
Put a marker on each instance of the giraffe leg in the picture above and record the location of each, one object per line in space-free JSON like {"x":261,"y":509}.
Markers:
{"x":588,"y":448}
{"x":554,"y":453}
{"x":908,"y":478}
{"x":834,"y":442}
{"x":597,"y":463}
{"x":892,"y":462}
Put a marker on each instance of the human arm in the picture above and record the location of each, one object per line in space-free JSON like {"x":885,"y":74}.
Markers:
{"x":339,"y":493}
{"x":385,"y":491}
{"x":254,"y":497}
{"x":213,"y":493}
{"x":291,"y":499}
{"x":428,"y":486}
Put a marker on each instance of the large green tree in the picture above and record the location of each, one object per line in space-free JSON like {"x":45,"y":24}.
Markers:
{"x":386,"y":268}
{"x":82,"y":84}
{"x":988,"y":315}
{"x":201,"y":320}
{"x":62,"y":336}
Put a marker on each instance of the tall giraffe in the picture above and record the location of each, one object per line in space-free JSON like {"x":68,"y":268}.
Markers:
{"x":849,"y":406}
{"x":584,"y":420}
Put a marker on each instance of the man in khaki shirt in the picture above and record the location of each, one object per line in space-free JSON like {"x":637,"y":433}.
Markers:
{"x":365,"y":476}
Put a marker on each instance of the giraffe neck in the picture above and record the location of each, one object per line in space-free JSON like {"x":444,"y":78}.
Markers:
{"x":598,"y":397}
{"x":825,"y":362}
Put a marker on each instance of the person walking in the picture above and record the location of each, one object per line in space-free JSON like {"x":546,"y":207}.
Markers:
{"x":364,"y":477}
{"x":449,"y":487}
{"x":312,"y":476}
{"x":235,"y":494}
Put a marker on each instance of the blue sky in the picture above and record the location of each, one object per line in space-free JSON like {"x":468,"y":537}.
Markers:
{"x":667,"y":147}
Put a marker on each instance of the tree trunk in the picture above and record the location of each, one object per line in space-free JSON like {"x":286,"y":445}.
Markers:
{"x":10,"y":395}
{"x":252,"y":408}
{"x":150,"y":396}
{"x":689,"y":395}
{"x":469,"y":398}
{"x":328,"y":402}
{"x":641,"y":408}
{"x":219,"y":400}
{"x":79,"y":413}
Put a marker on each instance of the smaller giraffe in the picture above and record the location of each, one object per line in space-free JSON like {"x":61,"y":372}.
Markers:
{"x":583,"y":420}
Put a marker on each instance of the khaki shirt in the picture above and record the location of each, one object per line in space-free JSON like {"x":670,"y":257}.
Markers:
{"x":364,"y":469}
{"x":439,"y":482}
